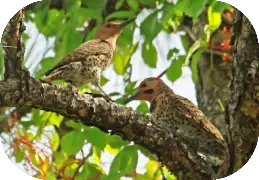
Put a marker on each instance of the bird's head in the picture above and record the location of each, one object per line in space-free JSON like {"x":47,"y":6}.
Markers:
{"x":147,"y":90}
{"x":110,"y":31}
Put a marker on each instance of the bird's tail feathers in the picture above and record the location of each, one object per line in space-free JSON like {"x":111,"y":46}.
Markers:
{"x":51,"y":77}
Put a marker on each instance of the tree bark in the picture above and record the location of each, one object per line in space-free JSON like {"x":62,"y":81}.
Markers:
{"x":21,"y":90}
{"x":235,"y":84}
{"x":242,"y":110}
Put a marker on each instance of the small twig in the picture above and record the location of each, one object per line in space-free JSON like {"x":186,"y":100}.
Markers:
{"x":213,"y":52}
{"x":190,"y":33}
{"x":162,"y":172}
{"x":81,"y":163}
{"x":160,"y":75}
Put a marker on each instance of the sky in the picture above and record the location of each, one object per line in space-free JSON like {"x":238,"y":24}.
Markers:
{"x":163,"y":42}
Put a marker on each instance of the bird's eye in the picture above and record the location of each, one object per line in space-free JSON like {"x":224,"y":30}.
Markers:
{"x":108,"y":25}
{"x":144,"y":85}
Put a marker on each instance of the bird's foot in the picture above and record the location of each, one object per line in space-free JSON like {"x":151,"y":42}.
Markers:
{"x":70,"y":86}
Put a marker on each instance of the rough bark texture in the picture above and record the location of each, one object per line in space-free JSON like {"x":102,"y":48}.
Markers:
{"x":236,"y":86}
{"x":242,"y":112}
{"x":213,"y":85}
{"x":21,"y":90}
{"x":213,"y":88}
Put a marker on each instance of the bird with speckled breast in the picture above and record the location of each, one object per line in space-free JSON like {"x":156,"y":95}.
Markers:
{"x":86,"y":63}
{"x":183,"y":119}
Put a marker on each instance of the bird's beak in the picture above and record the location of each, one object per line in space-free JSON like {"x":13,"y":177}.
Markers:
{"x":133,"y":97}
{"x":125,"y":23}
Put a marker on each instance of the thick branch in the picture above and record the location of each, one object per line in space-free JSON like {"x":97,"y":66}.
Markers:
{"x":13,"y":45}
{"x":171,"y":150}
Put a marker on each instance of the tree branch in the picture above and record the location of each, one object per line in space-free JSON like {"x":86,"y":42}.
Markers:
{"x":174,"y":151}
{"x":171,"y":149}
{"x":13,"y":46}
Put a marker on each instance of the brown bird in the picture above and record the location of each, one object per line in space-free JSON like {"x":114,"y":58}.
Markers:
{"x":183,"y":119}
{"x":86,"y":63}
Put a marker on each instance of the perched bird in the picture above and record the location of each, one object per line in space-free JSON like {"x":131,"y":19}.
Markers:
{"x":183,"y":119}
{"x":86,"y":63}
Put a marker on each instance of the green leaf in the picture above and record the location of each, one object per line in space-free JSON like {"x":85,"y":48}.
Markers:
{"x":214,"y":19}
{"x":185,"y":42}
{"x":190,"y":7}
{"x":96,"y":155}
{"x":116,"y":142}
{"x":218,"y":6}
{"x":175,"y":70}
{"x":198,"y":44}
{"x":54,"y":142}
{"x":194,"y":64}
{"x":120,"y":14}
{"x":151,"y":26}
{"x":133,"y":4}
{"x":19,"y":156}
{"x":125,"y":162}
{"x":50,"y":176}
{"x":96,"y":137}
{"x":91,"y":14}
{"x":149,"y":3}
{"x":98,"y":5}
{"x":129,"y":89}
{"x":25,"y":37}
{"x":103,"y":80}
{"x":125,"y":50}
{"x":171,"y":53}
{"x":121,"y":58}
{"x":119,"y":4}
{"x":72,"y":142}
{"x":74,"y":124}
{"x":151,"y":167}
{"x":143,"y":107}
{"x":60,"y":158}
{"x":30,"y":136}
{"x":91,"y":171}
{"x":55,"y":119}
{"x":71,"y":40}
{"x":168,"y":12}
{"x":48,"y":21}
{"x":125,"y":40}
{"x":149,"y":54}
{"x":118,"y":62}
{"x":46,"y":64}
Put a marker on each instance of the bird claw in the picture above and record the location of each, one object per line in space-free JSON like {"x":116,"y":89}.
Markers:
{"x":70,"y":86}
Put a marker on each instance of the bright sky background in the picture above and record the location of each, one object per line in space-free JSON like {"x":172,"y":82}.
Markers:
{"x":183,"y":86}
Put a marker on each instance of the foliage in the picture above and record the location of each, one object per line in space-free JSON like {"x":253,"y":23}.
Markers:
{"x":36,"y":138}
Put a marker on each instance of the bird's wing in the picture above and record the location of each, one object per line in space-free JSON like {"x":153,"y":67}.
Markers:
{"x":92,"y":47}
{"x":192,"y":113}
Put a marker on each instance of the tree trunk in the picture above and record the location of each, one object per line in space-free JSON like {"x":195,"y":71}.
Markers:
{"x":235,"y":84}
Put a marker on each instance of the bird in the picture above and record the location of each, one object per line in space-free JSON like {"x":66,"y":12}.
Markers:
{"x":183,"y":118}
{"x":86,"y":63}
